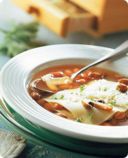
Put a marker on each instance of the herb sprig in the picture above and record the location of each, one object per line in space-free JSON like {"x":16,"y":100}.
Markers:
{"x":19,"y":38}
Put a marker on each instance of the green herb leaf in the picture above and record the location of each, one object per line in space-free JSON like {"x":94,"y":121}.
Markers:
{"x":20,"y":38}
{"x":57,"y":97}
{"x":105,"y":89}
{"x":62,"y":97}
{"x":79,"y":119}
{"x":112,"y":103}
{"x":81,"y":88}
{"x":54,"y":97}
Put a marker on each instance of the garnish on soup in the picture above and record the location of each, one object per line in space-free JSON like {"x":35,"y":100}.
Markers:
{"x":97,"y":96}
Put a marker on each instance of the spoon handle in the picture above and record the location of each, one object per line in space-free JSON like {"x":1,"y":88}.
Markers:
{"x":120,"y":50}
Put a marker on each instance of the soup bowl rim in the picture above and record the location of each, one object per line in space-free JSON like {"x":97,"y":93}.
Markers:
{"x":39,"y":115}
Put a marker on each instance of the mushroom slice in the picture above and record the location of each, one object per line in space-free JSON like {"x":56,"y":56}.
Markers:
{"x":100,"y":112}
{"x":97,"y":105}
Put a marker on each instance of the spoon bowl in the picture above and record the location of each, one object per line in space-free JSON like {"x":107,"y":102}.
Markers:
{"x":45,"y":91}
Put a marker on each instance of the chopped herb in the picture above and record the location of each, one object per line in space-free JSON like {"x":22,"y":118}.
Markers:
{"x":54,"y":97}
{"x":57,"y":97}
{"x":91,"y":98}
{"x":105,"y":89}
{"x":62,"y":97}
{"x":81,"y":88}
{"x":112,"y":103}
{"x":79,"y":120}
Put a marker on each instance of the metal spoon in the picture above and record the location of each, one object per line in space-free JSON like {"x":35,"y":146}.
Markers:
{"x":34,"y":85}
{"x":119,"y":51}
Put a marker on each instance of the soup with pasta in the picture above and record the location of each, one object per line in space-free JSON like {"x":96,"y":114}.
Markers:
{"x":97,"y":96}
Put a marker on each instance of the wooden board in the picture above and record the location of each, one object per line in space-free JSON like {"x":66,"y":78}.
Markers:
{"x":112,"y":15}
{"x":95,"y":7}
{"x":62,"y":17}
{"x":97,"y":17}
{"x":114,"y":19}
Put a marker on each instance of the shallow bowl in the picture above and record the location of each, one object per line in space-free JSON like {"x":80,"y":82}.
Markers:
{"x":16,"y":75}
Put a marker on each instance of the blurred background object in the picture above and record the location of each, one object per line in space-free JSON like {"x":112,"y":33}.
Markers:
{"x":97,"y":17}
{"x":19,"y":38}
{"x":11,"y":16}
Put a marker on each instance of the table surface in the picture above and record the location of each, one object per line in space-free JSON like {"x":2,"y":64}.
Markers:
{"x":9,"y":12}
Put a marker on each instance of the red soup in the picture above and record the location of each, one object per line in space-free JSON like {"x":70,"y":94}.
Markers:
{"x":97,"y":96}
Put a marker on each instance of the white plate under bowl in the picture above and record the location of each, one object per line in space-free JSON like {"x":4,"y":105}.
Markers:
{"x":16,"y":74}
